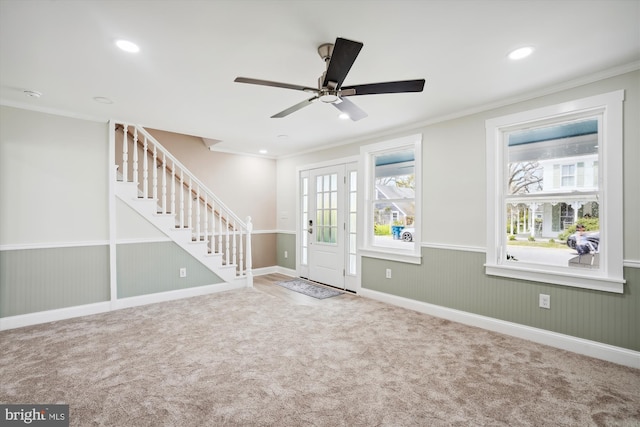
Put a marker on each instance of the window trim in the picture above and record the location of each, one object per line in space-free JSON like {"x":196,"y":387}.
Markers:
{"x":366,"y":180}
{"x":609,"y":277}
{"x":573,"y":175}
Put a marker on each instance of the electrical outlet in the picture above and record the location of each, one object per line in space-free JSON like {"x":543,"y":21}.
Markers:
{"x":183,"y":272}
{"x":545,"y":301}
{"x":286,"y":254}
{"x":388,"y":273}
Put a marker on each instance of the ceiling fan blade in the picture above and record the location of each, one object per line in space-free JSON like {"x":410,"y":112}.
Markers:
{"x":294,"y":108}
{"x":387,"y":87}
{"x":355,"y":113}
{"x":344,"y":55}
{"x":274,"y":84}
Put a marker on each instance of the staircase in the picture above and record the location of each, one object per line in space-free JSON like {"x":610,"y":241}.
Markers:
{"x":157,"y":186}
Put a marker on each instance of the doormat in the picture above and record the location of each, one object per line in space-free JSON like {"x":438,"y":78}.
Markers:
{"x":309,"y":289}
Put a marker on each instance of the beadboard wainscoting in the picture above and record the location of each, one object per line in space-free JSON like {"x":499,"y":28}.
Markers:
{"x":50,"y":278}
{"x":147,"y":268}
{"x":455,"y":279}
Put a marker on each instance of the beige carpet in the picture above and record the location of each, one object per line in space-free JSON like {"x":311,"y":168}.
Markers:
{"x":246,"y":358}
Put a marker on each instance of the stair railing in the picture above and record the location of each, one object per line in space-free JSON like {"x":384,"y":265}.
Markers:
{"x":179,"y":193}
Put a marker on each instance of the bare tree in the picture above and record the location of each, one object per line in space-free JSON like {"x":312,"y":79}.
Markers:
{"x":404,"y":181}
{"x":525,"y":177}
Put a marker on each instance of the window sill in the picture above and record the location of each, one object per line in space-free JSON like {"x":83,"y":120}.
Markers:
{"x":392,"y":255}
{"x":592,"y":280}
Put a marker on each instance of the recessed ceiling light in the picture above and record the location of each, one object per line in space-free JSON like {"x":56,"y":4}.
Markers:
{"x":262,"y":151}
{"x":32,"y":93}
{"x":343,"y":116}
{"x":102,"y":100}
{"x":521,"y":53}
{"x":127,"y":46}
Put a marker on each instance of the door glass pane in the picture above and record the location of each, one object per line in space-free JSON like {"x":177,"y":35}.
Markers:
{"x":352,"y":209}
{"x":326,"y":209}
{"x":305,"y":219}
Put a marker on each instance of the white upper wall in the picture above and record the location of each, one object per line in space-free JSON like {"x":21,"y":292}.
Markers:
{"x":53,"y":179}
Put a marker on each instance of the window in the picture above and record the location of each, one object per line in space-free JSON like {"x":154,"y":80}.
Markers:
{"x":568,"y":175}
{"x":549,"y":171}
{"x":391,"y":202}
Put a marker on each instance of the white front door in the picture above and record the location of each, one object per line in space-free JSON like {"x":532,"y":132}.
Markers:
{"x":325,"y":225}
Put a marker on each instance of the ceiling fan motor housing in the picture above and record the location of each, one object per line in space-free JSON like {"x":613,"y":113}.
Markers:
{"x":325,"y":51}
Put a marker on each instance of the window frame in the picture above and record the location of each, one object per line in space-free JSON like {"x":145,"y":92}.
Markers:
{"x":609,"y":277}
{"x":367,"y":183}
{"x":574,"y":172}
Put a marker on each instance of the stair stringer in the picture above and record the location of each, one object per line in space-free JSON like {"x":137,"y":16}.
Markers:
{"x":166,"y":223}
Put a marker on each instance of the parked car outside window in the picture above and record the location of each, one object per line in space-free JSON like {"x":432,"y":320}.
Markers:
{"x":593,"y":237}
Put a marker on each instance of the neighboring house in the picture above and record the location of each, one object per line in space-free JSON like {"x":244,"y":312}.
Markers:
{"x":555,"y":179}
{"x":400,"y":212}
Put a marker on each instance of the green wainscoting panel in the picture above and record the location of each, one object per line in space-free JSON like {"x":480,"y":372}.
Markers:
{"x":33,"y":280}
{"x":286,"y":242}
{"x":147,"y":268}
{"x":456,"y":279}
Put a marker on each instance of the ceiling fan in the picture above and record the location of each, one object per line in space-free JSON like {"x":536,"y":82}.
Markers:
{"x":339,"y":58}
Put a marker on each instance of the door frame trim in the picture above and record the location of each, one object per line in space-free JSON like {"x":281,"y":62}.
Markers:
{"x":342,"y":161}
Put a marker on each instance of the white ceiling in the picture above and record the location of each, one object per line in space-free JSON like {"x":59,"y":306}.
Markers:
{"x":191,"y":51}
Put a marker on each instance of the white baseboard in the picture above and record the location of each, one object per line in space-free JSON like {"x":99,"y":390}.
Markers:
{"x":47,"y":316}
{"x":619,"y":355}
{"x":274,"y":269}
{"x":30,"y":319}
{"x":174,"y":295}
{"x":37,"y":318}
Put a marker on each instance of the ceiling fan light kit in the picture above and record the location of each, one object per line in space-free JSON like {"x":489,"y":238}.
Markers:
{"x":339,"y":58}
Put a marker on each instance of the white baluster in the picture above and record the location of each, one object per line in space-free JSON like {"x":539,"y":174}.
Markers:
{"x":173,"y":188}
{"x":213,"y":228}
{"x":154,"y":184}
{"x":190,"y":214}
{"x":220,"y":229}
{"x":125,"y":154}
{"x":248,"y":262}
{"x":234,"y":230}
{"x":181,"y":199}
{"x":206,"y":222}
{"x":164,"y":183}
{"x":227,"y":242}
{"x":145,"y":168}
{"x":135,"y":156}
{"x":240,"y":254}
{"x":198,"y":213}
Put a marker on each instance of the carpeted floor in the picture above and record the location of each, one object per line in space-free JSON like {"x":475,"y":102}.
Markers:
{"x":247,"y":358}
